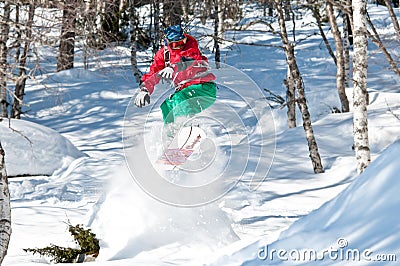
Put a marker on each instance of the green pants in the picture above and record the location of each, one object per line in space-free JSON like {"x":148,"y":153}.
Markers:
{"x":189,"y":101}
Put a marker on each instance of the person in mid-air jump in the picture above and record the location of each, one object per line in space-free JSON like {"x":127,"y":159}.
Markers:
{"x":180,"y":61}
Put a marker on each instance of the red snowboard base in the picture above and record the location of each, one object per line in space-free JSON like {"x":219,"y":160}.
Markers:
{"x":182,"y":147}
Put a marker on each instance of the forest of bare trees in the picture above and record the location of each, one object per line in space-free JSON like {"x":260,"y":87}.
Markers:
{"x":92,"y":25}
{"x":97,"y":24}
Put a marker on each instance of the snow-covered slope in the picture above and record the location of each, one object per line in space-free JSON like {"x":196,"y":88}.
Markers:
{"x":32,"y":149}
{"x":358,"y":227}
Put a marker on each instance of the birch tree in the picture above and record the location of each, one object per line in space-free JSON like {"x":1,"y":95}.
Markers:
{"x":4,"y":32}
{"x":317,"y":16}
{"x":221,"y":16}
{"x":347,"y":41}
{"x":379,"y":43}
{"x":340,"y":66}
{"x":5,"y":209}
{"x":393,"y":17}
{"x":133,"y":21}
{"x":217,"y":29}
{"x":301,"y":100}
{"x":156,"y":22}
{"x":110,"y":19}
{"x":67,"y":39}
{"x":19,"y":91}
{"x":290,"y":99}
{"x":360,"y":94}
{"x":287,"y":9}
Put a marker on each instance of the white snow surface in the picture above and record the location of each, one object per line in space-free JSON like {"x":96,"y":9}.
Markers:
{"x":349,"y":229}
{"x":292,"y":209}
{"x":32,"y":149}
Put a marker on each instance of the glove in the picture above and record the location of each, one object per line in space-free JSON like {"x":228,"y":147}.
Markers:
{"x":166,"y":72}
{"x":142,"y":97}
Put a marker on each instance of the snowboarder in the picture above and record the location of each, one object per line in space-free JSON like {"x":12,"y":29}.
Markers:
{"x":181,"y":62}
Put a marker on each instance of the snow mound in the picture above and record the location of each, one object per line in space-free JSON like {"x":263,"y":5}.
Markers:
{"x":360,"y":225}
{"x":32,"y":149}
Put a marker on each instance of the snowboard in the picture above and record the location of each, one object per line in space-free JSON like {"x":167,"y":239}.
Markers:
{"x":185,"y":144}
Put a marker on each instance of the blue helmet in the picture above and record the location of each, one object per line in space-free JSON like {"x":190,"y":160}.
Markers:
{"x":174,"y":33}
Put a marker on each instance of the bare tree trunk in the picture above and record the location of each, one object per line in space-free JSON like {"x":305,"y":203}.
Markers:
{"x":221,"y":17}
{"x":18,"y":32}
{"x":156,"y":20}
{"x":317,"y":17}
{"x":264,"y":5}
{"x":110,"y":22}
{"x":133,"y":20}
{"x":340,"y":69}
{"x":346,"y":49}
{"x":216,"y":36}
{"x":172,"y":12}
{"x":5,"y":208}
{"x":290,"y":99}
{"x":378,"y":42}
{"x":360,"y":118}
{"x":4,"y":31}
{"x":287,"y":9}
{"x":67,"y":39}
{"x":301,"y":101}
{"x":21,"y":80}
{"x":122,"y":5}
{"x":270,"y":8}
{"x":185,"y":10}
{"x":393,"y":17}
{"x":380,"y":2}
{"x":205,"y":9}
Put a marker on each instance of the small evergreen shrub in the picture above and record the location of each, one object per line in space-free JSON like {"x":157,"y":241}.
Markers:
{"x":87,"y":241}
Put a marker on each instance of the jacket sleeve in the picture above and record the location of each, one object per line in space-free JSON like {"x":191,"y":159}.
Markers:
{"x":151,"y":79}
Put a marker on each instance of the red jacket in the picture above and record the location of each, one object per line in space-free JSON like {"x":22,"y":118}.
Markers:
{"x":190,"y":67}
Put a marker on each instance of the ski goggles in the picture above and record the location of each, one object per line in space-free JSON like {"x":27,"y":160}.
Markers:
{"x":177,"y":44}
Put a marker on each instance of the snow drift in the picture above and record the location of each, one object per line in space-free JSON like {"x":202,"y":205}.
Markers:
{"x":359,"y":226}
{"x":32,"y":149}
